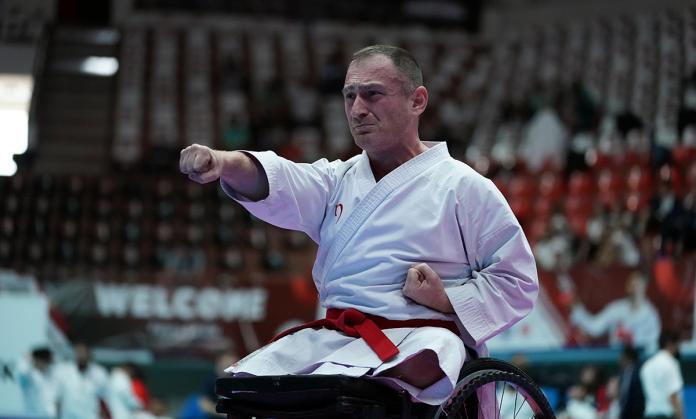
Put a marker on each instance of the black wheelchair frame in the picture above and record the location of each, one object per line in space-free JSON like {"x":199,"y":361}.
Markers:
{"x":336,"y":396}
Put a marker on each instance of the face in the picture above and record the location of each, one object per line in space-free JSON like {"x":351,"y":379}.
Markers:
{"x":380,"y":112}
{"x":635,"y":286}
{"x":82,"y":355}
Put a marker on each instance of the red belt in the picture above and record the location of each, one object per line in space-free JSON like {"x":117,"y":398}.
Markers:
{"x":356,"y":324}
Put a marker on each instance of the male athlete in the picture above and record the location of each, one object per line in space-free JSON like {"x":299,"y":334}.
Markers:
{"x":418,"y":253}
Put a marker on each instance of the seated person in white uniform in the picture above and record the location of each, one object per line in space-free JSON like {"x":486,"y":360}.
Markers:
{"x":418,"y":253}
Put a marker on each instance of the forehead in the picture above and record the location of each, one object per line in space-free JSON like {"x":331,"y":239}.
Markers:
{"x":377,"y":69}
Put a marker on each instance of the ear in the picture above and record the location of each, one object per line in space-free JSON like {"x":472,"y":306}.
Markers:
{"x":419,"y":100}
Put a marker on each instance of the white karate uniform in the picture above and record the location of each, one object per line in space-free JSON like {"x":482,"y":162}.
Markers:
{"x":79,"y":393}
{"x":121,"y":400}
{"x":431,"y":209}
{"x":38,"y":389}
{"x":620,"y":319}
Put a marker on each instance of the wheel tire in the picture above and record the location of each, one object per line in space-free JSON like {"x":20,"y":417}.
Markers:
{"x":482,"y":371}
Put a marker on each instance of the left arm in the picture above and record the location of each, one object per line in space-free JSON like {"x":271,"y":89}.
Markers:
{"x":676,"y":403}
{"x":504,"y":283}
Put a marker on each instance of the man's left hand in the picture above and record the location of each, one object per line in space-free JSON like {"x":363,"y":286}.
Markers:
{"x":424,"y":286}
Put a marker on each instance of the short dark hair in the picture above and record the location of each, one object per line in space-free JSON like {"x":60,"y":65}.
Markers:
{"x":668,"y":337}
{"x":631,"y":353}
{"x":42,"y":354}
{"x":404,"y":62}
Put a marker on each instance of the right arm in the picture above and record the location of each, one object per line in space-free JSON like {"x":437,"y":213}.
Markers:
{"x":240,"y":171}
{"x":283,"y":193}
{"x":594,"y":325}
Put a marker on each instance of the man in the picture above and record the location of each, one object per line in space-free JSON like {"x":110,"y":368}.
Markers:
{"x":662,"y":380}
{"x":35,"y":377}
{"x":121,"y":399}
{"x":629,"y":321}
{"x":82,"y":386}
{"x":630,"y":392}
{"x":413,"y":245}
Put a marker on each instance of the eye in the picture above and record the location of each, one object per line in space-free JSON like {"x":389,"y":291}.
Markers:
{"x":349,"y":96}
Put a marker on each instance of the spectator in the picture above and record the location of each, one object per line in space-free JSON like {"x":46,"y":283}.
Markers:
{"x":630,"y":320}
{"x":138,"y":383}
{"x":208,"y":399}
{"x":667,"y":210}
{"x":631,"y":399}
{"x":617,"y":244}
{"x":82,"y":386}
{"x":121,"y":398}
{"x":662,"y":380}
{"x":554,"y":250}
{"x":546,"y":140}
{"x":35,"y":378}
{"x":156,"y":409}
{"x":579,"y":404}
{"x":688,"y":237}
{"x":592,"y":380}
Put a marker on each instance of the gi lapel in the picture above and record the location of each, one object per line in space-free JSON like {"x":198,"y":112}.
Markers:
{"x":388,"y":184}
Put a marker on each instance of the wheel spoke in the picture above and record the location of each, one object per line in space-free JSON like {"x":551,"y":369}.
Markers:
{"x":502,"y":396}
{"x":523,"y":403}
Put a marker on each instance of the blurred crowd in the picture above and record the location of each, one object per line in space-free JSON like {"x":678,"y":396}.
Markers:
{"x":82,"y":389}
{"x":649,"y":387}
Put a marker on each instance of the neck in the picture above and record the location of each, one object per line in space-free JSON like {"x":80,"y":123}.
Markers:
{"x":637,"y":300}
{"x":383,"y":162}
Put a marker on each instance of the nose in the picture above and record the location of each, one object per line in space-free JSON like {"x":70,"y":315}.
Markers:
{"x":358,"y":110}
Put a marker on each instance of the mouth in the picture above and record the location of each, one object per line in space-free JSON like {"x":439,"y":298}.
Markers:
{"x":362,"y":126}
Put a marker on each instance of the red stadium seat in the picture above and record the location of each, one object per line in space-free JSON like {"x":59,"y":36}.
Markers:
{"x":580,"y":183}
{"x":609,"y":181}
{"x":637,"y":201}
{"x":522,"y":207}
{"x":690,"y":175}
{"x":543,"y":208}
{"x":578,"y":205}
{"x":502,"y":186}
{"x":633,"y":158}
{"x":536,"y":230}
{"x":598,"y":161}
{"x":551,"y":186}
{"x":578,"y":223}
{"x":610,"y":185}
{"x":522,"y":186}
{"x":639,"y":179}
{"x":683,"y":155}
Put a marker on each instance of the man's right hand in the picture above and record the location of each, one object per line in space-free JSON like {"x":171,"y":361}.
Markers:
{"x":239,"y":171}
{"x":202,"y":164}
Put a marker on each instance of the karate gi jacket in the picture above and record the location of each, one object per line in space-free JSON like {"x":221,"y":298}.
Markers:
{"x":431,"y":209}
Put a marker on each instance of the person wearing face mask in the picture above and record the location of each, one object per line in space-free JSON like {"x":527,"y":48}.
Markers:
{"x":418,"y":253}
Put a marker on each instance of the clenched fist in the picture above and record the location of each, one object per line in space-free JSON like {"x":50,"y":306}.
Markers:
{"x":200,"y":163}
{"x":424,"y":286}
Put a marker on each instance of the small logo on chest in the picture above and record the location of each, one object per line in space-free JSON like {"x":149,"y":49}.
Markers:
{"x":338,"y":210}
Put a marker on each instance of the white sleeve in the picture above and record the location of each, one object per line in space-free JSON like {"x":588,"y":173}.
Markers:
{"x":598,"y":324}
{"x":298,"y":193}
{"x":504,"y":283}
{"x":652,"y":329}
{"x":122,"y":389}
{"x":672,"y":379}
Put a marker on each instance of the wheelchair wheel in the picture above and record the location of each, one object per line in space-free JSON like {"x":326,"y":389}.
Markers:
{"x":516,"y":394}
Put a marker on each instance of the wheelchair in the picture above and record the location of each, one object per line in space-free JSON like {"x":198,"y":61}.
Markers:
{"x":336,"y":396}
